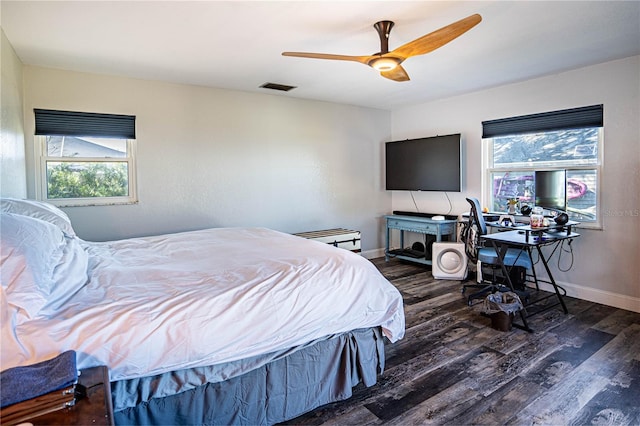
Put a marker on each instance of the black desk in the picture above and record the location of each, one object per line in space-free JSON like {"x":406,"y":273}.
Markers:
{"x":527,"y":238}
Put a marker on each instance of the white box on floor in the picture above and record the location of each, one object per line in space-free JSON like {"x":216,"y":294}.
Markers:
{"x":338,"y":237}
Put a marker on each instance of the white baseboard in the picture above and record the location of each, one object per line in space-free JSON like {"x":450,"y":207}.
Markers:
{"x":372,"y":254}
{"x":595,"y":295}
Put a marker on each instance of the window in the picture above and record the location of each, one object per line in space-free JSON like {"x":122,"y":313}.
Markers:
{"x":85,"y":158}
{"x":569,"y":141}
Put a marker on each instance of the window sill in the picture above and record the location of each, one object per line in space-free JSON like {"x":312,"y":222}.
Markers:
{"x":91,"y":202}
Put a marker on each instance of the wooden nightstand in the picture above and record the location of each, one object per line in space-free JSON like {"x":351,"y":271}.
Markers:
{"x":94,"y":409}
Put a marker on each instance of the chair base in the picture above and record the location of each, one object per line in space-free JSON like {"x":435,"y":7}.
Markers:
{"x":483,"y":290}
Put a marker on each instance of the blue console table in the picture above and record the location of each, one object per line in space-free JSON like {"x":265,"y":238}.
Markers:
{"x":420,"y":225}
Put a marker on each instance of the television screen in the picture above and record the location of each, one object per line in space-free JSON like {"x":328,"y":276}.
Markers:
{"x":550,"y":189}
{"x":426,"y":164}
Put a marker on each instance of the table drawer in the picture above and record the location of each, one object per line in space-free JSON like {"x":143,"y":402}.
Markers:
{"x":413,"y":227}
{"x":421,"y":227}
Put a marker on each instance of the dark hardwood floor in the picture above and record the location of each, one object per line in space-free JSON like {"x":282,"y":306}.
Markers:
{"x":452,"y":368}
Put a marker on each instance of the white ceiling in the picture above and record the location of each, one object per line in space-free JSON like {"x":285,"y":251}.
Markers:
{"x":238,"y":44}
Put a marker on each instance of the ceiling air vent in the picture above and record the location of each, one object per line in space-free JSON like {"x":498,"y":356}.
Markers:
{"x":276,"y":86}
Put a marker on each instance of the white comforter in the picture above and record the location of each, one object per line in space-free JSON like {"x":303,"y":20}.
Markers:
{"x":170,"y":302}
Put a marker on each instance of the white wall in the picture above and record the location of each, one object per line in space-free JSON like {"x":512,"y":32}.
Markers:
{"x":12,"y":156}
{"x":606,"y":265}
{"x":210,"y":157}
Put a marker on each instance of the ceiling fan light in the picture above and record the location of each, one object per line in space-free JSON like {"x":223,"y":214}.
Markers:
{"x":384,"y":64}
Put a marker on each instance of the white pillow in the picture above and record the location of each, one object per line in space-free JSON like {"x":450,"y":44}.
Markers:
{"x":39,"y":210}
{"x":29,"y":251}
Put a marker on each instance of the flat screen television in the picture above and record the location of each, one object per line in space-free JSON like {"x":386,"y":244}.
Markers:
{"x":425,"y":164}
{"x":551,"y":189}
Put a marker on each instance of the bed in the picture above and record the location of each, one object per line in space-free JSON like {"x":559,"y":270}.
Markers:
{"x":216,"y":326}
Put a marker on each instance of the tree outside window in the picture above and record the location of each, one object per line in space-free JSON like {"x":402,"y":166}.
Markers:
{"x":86,"y":170}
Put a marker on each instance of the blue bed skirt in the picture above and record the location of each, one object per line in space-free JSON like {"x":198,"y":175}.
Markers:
{"x":289,"y":384}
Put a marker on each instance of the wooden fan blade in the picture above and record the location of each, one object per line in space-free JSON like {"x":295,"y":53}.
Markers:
{"x":438,"y":38}
{"x":396,"y":74}
{"x":361,"y":59}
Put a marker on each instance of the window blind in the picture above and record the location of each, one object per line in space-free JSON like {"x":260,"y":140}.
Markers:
{"x":70,"y":123}
{"x":574,"y":118}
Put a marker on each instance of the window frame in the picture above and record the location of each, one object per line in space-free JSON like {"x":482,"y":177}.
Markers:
{"x":488,"y":169}
{"x":42,"y":178}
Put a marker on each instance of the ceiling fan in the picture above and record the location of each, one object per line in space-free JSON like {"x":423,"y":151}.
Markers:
{"x":388,"y":63}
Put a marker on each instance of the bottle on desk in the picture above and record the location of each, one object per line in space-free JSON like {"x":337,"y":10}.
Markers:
{"x":537,"y":217}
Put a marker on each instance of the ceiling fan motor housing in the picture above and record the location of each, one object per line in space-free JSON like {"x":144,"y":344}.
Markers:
{"x":383,"y":28}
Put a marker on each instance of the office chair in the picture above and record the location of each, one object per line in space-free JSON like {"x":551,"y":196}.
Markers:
{"x":472,"y":236}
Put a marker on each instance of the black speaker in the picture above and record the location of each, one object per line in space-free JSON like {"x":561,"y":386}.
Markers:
{"x":418,"y":246}
{"x":561,"y":219}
